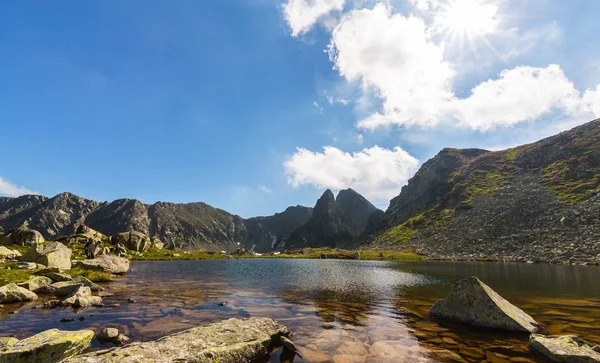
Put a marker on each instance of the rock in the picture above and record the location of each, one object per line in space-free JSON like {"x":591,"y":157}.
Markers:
{"x":107,"y":335}
{"x":24,"y":237}
{"x":156,"y":243}
{"x":85,"y":282}
{"x":50,"y":346}
{"x":121,"y":339}
{"x":36,"y":284}
{"x":132,"y":240}
{"x":51,"y":304}
{"x":12,"y":293}
{"x":229,"y":341}
{"x":473,"y":302}
{"x":58,"y":276}
{"x":105,"y":263}
{"x":7,"y":342}
{"x":565,"y":348}
{"x":131,"y":300}
{"x":53,"y":254}
{"x":66,"y":320}
{"x":6,"y":254}
{"x":26,"y":265}
{"x":444,"y":355}
{"x":81,"y":298}
{"x":65,"y":288}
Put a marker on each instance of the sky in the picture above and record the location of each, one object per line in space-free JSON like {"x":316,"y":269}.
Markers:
{"x":255,"y":105}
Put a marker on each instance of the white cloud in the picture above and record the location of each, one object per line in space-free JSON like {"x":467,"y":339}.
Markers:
{"x":301,"y":15}
{"x":318,"y":107}
{"x":591,"y":101}
{"x":265,"y":189}
{"x":11,"y":190}
{"x":377,"y":173}
{"x":425,"y":4}
{"x":393,"y":55}
{"x":518,"y":95}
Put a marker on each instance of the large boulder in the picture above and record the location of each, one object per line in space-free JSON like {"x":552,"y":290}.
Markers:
{"x":566,"y":348}
{"x":229,"y":341}
{"x":7,"y":254}
{"x":132,"y":240}
{"x":157,"y":243}
{"x":473,"y":302}
{"x":53,"y":254}
{"x":12,"y":293}
{"x":105,"y":263}
{"x":49,"y":346}
{"x":24,"y":237}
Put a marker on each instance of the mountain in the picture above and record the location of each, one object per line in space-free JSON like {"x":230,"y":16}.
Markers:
{"x":263,"y":233}
{"x":187,"y":226}
{"x":335,"y":222}
{"x":533,"y":202}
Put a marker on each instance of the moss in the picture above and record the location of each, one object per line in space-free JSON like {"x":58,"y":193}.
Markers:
{"x":13,"y":275}
{"x":93,"y":276}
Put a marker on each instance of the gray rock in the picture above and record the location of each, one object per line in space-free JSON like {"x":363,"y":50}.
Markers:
{"x":229,"y":341}
{"x":473,"y":302}
{"x":49,"y":346}
{"x":105,"y":263}
{"x":54,"y":274}
{"x":26,"y":265}
{"x":132,"y":240}
{"x":566,"y":348}
{"x":37,"y":284}
{"x":23,"y":236}
{"x":7,"y":254}
{"x":53,"y":254}
{"x":85,"y":282}
{"x":12,"y":293}
{"x":81,"y":298}
{"x":107,"y":335}
{"x":66,"y":288}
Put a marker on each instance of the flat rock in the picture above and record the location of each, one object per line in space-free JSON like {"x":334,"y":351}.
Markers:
{"x":473,"y":302}
{"x":85,"y":282}
{"x":105,"y":263}
{"x":12,"y":293}
{"x":229,"y":341}
{"x":50,"y":346}
{"x":65,"y":288}
{"x":565,"y":348}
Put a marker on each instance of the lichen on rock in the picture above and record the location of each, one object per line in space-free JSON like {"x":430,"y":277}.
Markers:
{"x":566,"y":348}
{"x":473,"y":302}
{"x":50,"y":346}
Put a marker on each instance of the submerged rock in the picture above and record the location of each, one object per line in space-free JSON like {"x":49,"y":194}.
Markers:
{"x":105,"y":263}
{"x":49,"y":346}
{"x":473,"y":302}
{"x":229,"y":341}
{"x":566,"y":348}
{"x":53,"y":254}
{"x":12,"y":293}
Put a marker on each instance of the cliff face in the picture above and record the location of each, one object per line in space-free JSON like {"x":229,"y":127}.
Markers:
{"x":533,"y":202}
{"x":335,"y":222}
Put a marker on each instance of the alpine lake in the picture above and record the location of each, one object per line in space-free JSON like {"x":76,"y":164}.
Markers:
{"x":337,"y":310}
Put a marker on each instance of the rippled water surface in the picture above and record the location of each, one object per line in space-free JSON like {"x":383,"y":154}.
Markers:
{"x":338,"y":311}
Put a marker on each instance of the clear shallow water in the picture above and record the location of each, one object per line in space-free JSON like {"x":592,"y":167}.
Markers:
{"x":338,"y":311}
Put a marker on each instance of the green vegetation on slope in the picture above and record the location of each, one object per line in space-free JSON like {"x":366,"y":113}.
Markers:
{"x":568,"y":184}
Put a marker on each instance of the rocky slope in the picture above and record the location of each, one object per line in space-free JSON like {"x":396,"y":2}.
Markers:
{"x":537,"y":202}
{"x":187,"y":226}
{"x":335,"y":222}
{"x":263,"y":233}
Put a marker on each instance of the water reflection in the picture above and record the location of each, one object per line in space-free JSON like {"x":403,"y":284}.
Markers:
{"x":338,"y":311}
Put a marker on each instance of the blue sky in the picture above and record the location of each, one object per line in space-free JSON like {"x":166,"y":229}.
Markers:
{"x":255,"y":105}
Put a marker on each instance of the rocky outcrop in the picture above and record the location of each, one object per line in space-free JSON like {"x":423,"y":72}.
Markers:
{"x":12,"y":293}
{"x":132,"y":240}
{"x":263,"y":233}
{"x":335,"y":222}
{"x":49,"y":346}
{"x":230,"y":341}
{"x":82,"y":297}
{"x":52,"y":254}
{"x":105,"y":263}
{"x":473,"y":302}
{"x":566,"y":348}
{"x":23,"y":236}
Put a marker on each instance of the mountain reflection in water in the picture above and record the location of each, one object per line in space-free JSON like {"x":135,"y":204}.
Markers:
{"x":338,"y":311}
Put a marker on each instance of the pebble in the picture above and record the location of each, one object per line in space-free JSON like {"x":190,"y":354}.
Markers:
{"x":66,"y":320}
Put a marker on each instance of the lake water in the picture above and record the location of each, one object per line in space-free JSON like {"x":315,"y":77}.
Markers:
{"x":338,"y":311}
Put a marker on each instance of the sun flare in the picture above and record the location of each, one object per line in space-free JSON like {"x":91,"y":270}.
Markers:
{"x":472,"y":17}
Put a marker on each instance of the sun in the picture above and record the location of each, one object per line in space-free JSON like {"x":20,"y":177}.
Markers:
{"x":471,"y":17}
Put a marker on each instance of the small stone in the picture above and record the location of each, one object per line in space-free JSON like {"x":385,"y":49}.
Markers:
{"x":223,"y":303}
{"x":131,"y":300}
{"x":81,"y":318}
{"x":107,"y":335}
{"x":66,"y":320}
